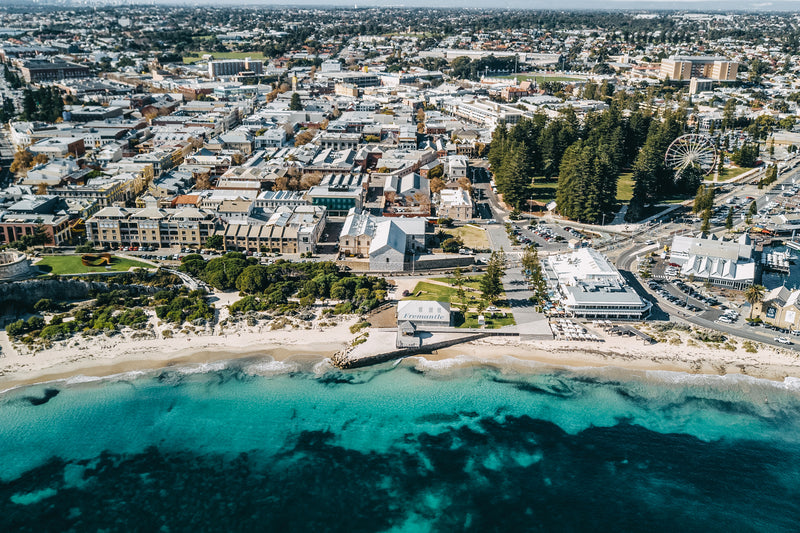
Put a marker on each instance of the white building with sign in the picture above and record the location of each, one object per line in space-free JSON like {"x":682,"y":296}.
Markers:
{"x":424,"y":313}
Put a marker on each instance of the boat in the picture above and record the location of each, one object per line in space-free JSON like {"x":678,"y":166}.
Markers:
{"x":794,"y":245}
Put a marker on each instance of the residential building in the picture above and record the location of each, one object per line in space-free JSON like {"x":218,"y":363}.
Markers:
{"x":456,"y":204}
{"x":275,"y":199}
{"x":119,"y":226}
{"x":234,"y":67}
{"x":31,"y":212}
{"x":59,"y":147}
{"x":105,"y":190}
{"x":39,"y":70}
{"x":780,"y":307}
{"x":288,"y":230}
{"x":339,"y":193}
{"x":684,"y":68}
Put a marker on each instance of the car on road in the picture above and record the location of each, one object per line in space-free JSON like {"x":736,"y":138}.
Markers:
{"x":492,"y":309}
{"x":783,"y":340}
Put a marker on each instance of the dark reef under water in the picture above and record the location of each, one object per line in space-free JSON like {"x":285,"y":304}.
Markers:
{"x":519,"y":475}
{"x":398,"y":450}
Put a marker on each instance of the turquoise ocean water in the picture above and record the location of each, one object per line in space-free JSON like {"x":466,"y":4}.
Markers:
{"x":263,"y":445}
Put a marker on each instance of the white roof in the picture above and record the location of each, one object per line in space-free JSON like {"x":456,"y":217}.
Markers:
{"x":388,"y":235}
{"x":454,"y":197}
{"x":423,"y":310}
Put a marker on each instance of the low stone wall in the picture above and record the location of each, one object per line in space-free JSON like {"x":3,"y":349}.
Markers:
{"x":424,"y":263}
{"x":20,"y":295}
{"x":421,"y":264}
{"x":14,"y":265}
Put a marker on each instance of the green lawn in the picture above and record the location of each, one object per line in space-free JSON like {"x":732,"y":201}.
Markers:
{"x":193,"y":57}
{"x":442,"y":293}
{"x":544,"y":190}
{"x":625,"y":187}
{"x":470,"y":282}
{"x":71,"y":264}
{"x":432,"y":291}
{"x":729,"y":173}
{"x":473,"y":237}
{"x":493,"y":320}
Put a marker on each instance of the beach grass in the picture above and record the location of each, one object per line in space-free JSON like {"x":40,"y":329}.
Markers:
{"x":71,"y":264}
{"x":197,"y":55}
{"x":473,"y":237}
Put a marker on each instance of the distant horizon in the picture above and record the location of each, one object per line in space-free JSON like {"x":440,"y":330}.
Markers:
{"x":710,"y":6}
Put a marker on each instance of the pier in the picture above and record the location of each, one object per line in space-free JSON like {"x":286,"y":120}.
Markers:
{"x":777,"y":261}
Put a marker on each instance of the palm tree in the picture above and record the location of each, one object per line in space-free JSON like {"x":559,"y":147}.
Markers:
{"x":754,"y":294}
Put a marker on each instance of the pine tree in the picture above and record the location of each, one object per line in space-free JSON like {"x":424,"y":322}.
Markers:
{"x":491,"y":283}
{"x":498,"y":147}
{"x":28,"y":105}
{"x":513,"y":180}
{"x":706,"y":225}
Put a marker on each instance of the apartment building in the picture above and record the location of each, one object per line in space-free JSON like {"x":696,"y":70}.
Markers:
{"x":684,"y":68}
{"x":288,"y":230}
{"x":234,"y":67}
{"x":119,"y":226}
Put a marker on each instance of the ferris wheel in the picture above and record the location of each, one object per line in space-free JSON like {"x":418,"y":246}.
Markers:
{"x":691,"y":149}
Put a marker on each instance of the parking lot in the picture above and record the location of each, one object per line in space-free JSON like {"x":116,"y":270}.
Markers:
{"x":550,"y":237}
{"x":683,"y":295}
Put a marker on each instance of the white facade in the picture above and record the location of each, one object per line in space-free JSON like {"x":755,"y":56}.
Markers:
{"x":424,"y":313}
{"x":455,"y":204}
{"x":387,"y":252}
{"x":591,"y":287}
{"x":722,"y":263}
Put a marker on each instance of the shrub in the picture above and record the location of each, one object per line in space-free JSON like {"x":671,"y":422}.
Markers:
{"x":358,"y":326}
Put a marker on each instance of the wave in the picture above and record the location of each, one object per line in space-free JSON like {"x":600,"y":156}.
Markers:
{"x":508,"y":364}
{"x":270,"y":368}
{"x":200,"y":368}
{"x":323,"y":367}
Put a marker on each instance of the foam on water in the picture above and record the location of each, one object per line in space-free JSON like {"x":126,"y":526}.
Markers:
{"x":270,"y":368}
{"x":200,"y":368}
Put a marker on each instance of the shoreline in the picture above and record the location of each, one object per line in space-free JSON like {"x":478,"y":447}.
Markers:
{"x":105,"y":357}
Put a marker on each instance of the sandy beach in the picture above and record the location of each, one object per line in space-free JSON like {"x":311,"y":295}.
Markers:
{"x":632,"y":354}
{"x":105,"y":356}
{"x":131,"y":351}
